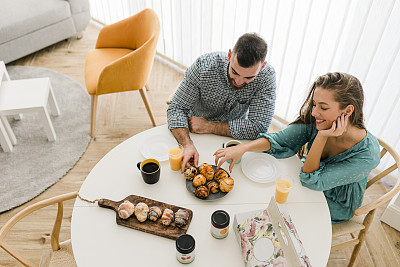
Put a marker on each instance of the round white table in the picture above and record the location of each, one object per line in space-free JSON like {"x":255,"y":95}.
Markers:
{"x":97,"y":240}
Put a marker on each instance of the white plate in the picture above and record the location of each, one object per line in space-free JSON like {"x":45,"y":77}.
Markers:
{"x":157,"y":146}
{"x":260,"y":167}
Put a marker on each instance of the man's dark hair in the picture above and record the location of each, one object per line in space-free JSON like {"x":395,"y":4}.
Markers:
{"x":250,"y":49}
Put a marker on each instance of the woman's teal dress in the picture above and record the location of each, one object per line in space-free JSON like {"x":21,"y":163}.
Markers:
{"x":343,"y":177}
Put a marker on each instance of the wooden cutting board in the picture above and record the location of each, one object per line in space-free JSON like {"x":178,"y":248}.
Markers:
{"x":148,"y":226}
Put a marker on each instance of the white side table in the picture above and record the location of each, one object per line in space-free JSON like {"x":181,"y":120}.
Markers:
{"x":26,"y":96}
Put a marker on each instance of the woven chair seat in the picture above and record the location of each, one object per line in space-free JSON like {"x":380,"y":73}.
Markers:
{"x":353,"y":225}
{"x":63,"y":256}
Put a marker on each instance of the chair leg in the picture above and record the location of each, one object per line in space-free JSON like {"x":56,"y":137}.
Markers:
{"x":147,"y":104}
{"x":147,"y":87}
{"x":93,"y":115}
{"x":361,"y":237}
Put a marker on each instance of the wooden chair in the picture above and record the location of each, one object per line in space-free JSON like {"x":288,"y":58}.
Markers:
{"x":364,"y":215}
{"x":62,"y":252}
{"x":122,"y":59}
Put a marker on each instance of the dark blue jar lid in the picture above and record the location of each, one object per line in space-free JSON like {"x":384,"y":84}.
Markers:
{"x":185,"y":244}
{"x":220,"y":218}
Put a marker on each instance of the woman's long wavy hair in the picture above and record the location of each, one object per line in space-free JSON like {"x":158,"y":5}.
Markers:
{"x":347,"y":90}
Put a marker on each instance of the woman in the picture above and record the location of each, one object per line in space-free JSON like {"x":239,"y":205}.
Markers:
{"x":341,"y":152}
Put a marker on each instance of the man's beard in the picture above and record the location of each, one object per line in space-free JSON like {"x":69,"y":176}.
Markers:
{"x":233,"y":86}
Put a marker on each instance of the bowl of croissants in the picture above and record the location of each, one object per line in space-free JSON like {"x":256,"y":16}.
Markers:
{"x":208,"y":183}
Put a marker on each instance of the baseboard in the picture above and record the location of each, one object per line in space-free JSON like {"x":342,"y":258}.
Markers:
{"x":391,"y":215}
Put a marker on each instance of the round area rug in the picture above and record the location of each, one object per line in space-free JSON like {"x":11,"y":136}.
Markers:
{"x":35,"y":163}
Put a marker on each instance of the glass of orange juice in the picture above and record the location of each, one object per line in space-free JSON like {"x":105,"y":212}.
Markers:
{"x":282,"y":190}
{"x":175,"y":157}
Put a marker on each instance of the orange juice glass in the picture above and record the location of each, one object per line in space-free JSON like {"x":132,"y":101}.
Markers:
{"x":282,"y":190}
{"x":175,"y":157}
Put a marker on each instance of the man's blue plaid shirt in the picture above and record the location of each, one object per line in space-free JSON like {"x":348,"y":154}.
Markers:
{"x":205,"y":92}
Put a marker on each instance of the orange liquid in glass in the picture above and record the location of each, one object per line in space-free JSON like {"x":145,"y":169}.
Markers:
{"x":282,"y":191}
{"x":175,"y":158}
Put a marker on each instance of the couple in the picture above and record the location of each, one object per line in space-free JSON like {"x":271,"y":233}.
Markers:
{"x":234,"y":95}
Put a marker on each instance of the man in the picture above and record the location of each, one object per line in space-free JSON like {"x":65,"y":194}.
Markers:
{"x":229,"y":94}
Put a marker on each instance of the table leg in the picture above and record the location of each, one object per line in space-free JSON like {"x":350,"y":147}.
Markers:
{"x":52,"y":102}
{"x":4,"y":140}
{"x":8,"y":129}
{"x":47,"y":124}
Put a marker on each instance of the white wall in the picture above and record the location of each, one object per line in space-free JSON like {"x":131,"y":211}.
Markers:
{"x":307,"y":38}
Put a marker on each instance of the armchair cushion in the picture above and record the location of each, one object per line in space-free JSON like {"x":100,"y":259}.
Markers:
{"x":36,"y":14}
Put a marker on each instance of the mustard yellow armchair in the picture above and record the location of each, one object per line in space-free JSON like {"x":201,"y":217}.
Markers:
{"x":122,"y":59}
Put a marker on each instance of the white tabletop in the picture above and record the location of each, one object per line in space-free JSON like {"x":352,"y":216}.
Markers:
{"x":97,"y":240}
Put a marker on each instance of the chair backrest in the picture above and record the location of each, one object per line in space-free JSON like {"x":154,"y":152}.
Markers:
{"x":139,"y":33}
{"x":389,"y":151}
{"x":55,"y":243}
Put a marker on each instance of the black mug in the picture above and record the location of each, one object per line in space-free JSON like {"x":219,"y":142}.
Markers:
{"x":150,"y":169}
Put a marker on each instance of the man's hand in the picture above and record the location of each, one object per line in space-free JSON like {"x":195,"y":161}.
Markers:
{"x":190,"y":156}
{"x":199,"y":125}
{"x":202,"y":126}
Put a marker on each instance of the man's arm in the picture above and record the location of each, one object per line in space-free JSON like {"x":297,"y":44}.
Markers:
{"x":189,"y":150}
{"x":202,"y":126}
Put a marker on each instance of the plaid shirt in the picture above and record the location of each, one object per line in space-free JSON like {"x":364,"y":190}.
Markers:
{"x":205,"y":92}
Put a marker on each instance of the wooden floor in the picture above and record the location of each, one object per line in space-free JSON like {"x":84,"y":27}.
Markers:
{"x":121,"y":116}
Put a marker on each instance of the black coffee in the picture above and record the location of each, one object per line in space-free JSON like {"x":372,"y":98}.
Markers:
{"x":231,"y":145}
{"x":150,"y":167}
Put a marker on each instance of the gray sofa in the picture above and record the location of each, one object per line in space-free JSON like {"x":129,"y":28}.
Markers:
{"x":27,"y":26}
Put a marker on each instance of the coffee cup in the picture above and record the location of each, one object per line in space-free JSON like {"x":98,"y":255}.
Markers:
{"x":231,"y":143}
{"x":150,"y":170}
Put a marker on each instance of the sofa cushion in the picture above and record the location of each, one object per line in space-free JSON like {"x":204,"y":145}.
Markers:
{"x":19,"y":17}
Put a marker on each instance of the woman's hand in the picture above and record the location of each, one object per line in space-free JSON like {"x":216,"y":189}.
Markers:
{"x":233,"y":153}
{"x":338,"y":127}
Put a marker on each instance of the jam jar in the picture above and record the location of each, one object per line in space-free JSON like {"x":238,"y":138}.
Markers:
{"x":219,"y":224}
{"x":185,"y":245}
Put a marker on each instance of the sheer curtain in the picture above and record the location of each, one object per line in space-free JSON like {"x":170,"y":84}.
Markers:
{"x":306,"y":38}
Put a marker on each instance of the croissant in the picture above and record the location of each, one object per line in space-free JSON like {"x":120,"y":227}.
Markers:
{"x":212,"y":186}
{"x":154,"y":213}
{"x":190,"y":173}
{"x":141,"y":211}
{"x":220,"y":174}
{"x":126,"y":209}
{"x":202,"y":192}
{"x":199,"y":180}
{"x":207,"y":170}
{"x":226,"y":184}
{"x":167,"y":217}
{"x":181,"y":217}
